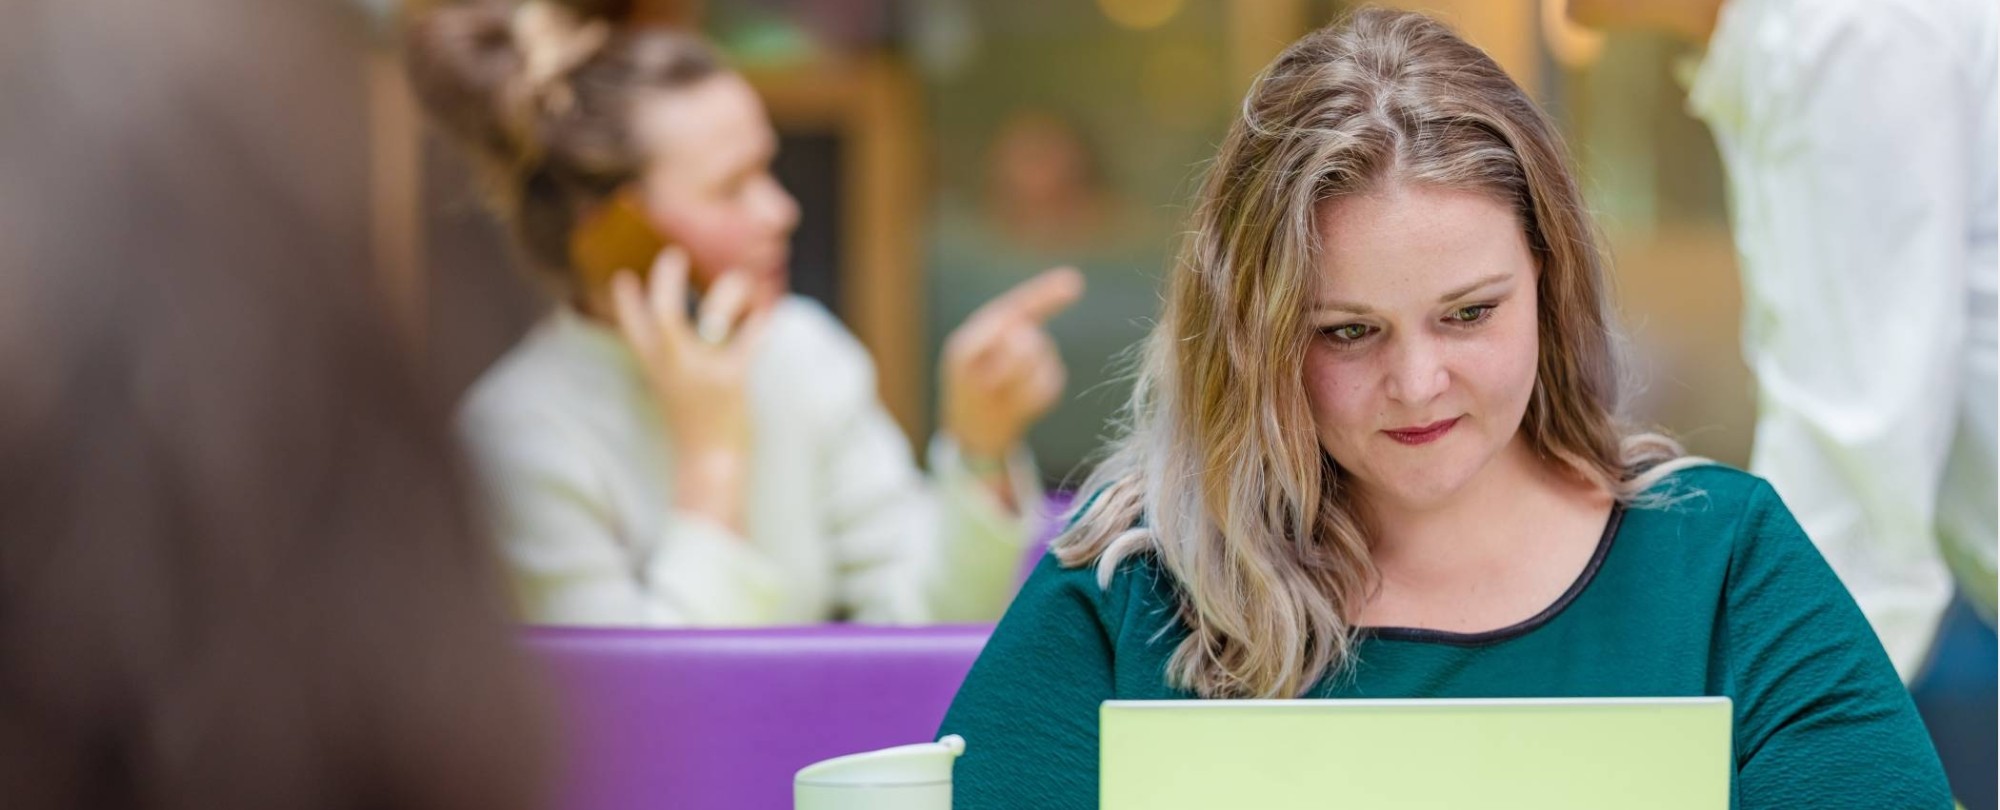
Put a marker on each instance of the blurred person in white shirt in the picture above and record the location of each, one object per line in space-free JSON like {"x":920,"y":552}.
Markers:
{"x":1859,"y":141}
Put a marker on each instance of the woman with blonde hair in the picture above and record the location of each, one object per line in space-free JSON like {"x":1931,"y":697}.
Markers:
{"x":1374,"y":450}
{"x":727,"y":464}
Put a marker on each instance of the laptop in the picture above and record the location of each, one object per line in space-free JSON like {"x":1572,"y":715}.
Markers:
{"x":1546,"y":754}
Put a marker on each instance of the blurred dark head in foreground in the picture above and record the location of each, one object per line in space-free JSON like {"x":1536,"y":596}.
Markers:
{"x":236,"y":570}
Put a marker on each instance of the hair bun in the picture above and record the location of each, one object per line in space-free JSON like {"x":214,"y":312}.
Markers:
{"x":553,"y":41}
{"x":464,"y":63}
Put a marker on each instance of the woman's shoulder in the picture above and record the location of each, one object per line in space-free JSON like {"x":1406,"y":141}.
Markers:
{"x":1105,"y":588}
{"x":807,"y":348}
{"x":1123,"y":586}
{"x":1111,"y":586}
{"x":1703,"y":491}
{"x":1720,"y":510}
{"x":563,"y":364}
{"x":1705,"y":514}
{"x":806,"y":328}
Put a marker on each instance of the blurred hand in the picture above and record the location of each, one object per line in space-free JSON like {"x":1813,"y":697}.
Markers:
{"x":700,"y":373}
{"x":1001,"y":371}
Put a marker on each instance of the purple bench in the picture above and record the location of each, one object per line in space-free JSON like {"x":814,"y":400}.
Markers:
{"x":700,"y":719}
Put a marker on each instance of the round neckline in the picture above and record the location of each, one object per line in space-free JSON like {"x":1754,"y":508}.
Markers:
{"x":1483,"y":638}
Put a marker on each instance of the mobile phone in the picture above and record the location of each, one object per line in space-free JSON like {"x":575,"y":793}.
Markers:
{"x":614,"y":237}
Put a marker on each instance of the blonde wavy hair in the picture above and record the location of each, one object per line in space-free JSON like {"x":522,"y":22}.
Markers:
{"x":1218,"y":473}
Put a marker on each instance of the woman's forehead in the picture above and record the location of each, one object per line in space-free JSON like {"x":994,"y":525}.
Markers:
{"x":716,"y":123}
{"x":1404,"y":240}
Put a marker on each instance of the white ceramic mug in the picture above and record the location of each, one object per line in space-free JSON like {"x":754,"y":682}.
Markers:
{"x":908,"y":777}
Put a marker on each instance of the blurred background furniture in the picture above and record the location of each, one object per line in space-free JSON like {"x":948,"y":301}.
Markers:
{"x":701,"y":719}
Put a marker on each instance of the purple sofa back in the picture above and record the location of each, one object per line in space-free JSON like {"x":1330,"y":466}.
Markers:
{"x":699,"y":719}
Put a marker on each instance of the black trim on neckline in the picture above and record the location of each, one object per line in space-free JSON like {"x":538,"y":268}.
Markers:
{"x":1523,"y":627}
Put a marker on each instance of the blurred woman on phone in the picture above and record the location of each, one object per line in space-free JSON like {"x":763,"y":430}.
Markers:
{"x":657,"y":462}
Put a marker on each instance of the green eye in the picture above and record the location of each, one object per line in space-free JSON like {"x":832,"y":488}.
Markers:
{"x":1471,"y":314}
{"x":1346,"y":334}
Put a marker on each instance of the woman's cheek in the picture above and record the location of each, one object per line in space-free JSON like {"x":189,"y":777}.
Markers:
{"x":1335,"y":390}
{"x":697,"y":233}
{"x":1502,"y":363}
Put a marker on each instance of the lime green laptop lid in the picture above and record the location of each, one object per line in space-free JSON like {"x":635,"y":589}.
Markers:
{"x":1547,"y":754}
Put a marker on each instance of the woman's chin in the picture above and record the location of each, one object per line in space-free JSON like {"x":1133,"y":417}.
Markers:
{"x":1417,"y":487}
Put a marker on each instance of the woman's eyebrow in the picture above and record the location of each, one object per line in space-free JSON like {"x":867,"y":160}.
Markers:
{"x":1473,"y":287}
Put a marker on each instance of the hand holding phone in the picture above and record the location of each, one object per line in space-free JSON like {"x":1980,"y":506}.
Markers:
{"x":702,"y":385}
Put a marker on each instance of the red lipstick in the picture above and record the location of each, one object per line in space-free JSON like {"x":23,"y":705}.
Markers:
{"x":1423,"y":434}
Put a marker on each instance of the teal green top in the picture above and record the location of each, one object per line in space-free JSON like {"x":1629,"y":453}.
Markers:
{"x":1717,"y":591}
